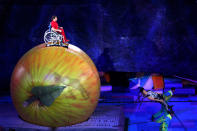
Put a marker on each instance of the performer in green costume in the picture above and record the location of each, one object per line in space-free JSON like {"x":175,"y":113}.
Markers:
{"x":164,"y":116}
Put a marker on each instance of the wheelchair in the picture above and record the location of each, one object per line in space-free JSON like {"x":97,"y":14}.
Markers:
{"x":52,"y":38}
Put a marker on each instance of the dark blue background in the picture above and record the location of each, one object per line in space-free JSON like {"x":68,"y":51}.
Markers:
{"x":119,"y":35}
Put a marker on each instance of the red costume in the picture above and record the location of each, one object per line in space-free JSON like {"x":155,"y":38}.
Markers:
{"x":55,"y":26}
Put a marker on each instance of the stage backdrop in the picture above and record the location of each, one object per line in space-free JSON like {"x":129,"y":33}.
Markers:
{"x":119,"y":35}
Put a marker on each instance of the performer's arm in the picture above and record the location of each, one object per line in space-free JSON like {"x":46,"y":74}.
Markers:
{"x":159,"y":100}
{"x":56,"y":29}
{"x":150,"y":98}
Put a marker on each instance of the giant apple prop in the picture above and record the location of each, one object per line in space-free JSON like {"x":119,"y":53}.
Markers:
{"x":55,"y":86}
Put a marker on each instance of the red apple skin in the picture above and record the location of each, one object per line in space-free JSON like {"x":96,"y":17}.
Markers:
{"x":43,"y":66}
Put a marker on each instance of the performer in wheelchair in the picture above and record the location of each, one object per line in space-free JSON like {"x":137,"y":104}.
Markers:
{"x":161,"y":98}
{"x":56,"y":28}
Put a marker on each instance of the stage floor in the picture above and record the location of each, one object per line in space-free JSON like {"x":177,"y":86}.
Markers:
{"x":138,"y":116}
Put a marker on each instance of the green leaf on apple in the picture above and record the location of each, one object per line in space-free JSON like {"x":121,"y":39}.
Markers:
{"x":47,"y":94}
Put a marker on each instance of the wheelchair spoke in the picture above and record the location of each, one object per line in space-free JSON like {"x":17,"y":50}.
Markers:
{"x":52,"y":37}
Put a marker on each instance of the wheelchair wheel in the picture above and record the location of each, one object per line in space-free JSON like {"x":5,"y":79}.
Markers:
{"x":51,"y":37}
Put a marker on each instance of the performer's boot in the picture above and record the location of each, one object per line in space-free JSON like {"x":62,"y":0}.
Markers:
{"x":64,"y":45}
